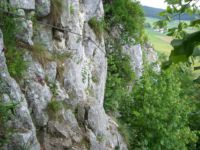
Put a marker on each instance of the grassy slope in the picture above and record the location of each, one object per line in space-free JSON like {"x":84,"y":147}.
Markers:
{"x":161,"y":42}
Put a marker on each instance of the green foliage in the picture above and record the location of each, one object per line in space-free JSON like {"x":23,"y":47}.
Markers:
{"x":71,"y":8}
{"x":8,"y":28}
{"x":120,"y":76}
{"x":157,"y":116}
{"x":15,"y":62}
{"x":186,"y":44}
{"x":55,"y":106}
{"x":97,"y":26}
{"x":185,"y":47}
{"x":127,"y":14}
{"x":14,"y":56}
{"x":6,"y":110}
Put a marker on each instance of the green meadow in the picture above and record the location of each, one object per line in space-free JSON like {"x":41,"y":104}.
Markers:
{"x":161,"y":42}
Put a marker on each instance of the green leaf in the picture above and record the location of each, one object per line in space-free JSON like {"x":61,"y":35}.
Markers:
{"x":136,"y":113}
{"x":183,"y":49}
{"x":195,"y":22}
{"x":169,"y":9}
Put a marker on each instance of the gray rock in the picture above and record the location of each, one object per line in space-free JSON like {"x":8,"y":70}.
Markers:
{"x":24,"y":28}
{"x":43,"y":36}
{"x":38,"y":94}
{"x":80,"y":86}
{"x":61,"y":94}
{"x":23,"y":4}
{"x":136,"y":56}
{"x":151,"y":57}
{"x":51,"y":71}
{"x":93,"y":8}
{"x":38,"y":97}
{"x":66,"y":132}
{"x":97,"y":119}
{"x":43,"y":8}
{"x":21,"y":122}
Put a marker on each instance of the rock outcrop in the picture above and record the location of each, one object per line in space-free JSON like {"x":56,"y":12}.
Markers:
{"x":75,"y":78}
{"x":67,"y":66}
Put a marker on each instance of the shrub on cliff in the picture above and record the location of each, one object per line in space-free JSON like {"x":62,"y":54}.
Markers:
{"x":120,"y":76}
{"x":14,"y":56}
{"x":128,"y":15}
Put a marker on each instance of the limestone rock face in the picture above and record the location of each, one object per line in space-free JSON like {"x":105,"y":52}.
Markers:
{"x":136,"y":57}
{"x":21,"y":122}
{"x":151,"y":56}
{"x":24,"y":28}
{"x":61,"y":94}
{"x":23,"y":4}
{"x":43,"y":7}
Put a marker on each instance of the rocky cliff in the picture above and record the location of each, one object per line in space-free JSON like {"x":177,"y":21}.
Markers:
{"x":60,"y":95}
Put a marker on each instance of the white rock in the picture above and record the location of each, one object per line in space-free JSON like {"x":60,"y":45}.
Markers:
{"x":23,"y":4}
{"x":43,"y":7}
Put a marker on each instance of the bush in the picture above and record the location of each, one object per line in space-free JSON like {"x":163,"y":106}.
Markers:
{"x":97,"y":26}
{"x":55,"y":106}
{"x":157,"y":116}
{"x":125,"y":13}
{"x":8,"y":27}
{"x":120,"y":76}
{"x":15,"y":62}
{"x":14,"y":56}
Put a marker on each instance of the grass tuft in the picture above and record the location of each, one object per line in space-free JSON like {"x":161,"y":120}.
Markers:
{"x":97,"y":26}
{"x":54,"y":108}
{"x":15,"y":62}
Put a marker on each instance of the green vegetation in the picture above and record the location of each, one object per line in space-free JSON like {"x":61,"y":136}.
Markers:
{"x":6,"y":110}
{"x":160,"y":42}
{"x":15,"y":62}
{"x":185,"y":41}
{"x":119,"y":77}
{"x":14,"y":56}
{"x":157,"y":114}
{"x":55,"y":106}
{"x":97,"y":26}
{"x":125,"y":14}
{"x":71,"y":8}
{"x":155,"y":111}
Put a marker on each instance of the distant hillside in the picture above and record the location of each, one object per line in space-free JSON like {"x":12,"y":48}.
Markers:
{"x":154,"y":13}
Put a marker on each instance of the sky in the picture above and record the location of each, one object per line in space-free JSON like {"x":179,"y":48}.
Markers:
{"x":154,"y":3}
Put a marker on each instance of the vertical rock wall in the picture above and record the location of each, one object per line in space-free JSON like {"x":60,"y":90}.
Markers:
{"x":75,"y":77}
